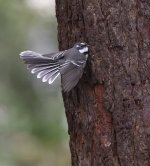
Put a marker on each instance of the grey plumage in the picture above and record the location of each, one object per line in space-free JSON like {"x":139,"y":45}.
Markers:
{"x":41,"y":65}
{"x":69,"y":64}
{"x":70,"y":76}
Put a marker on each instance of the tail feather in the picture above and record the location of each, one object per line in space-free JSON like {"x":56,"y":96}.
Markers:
{"x":32,"y":66}
{"x":42,"y":73}
{"x":49,"y":75}
{"x":38,"y":69}
{"x":45,"y":72}
{"x":53,"y":77}
{"x":29,"y":54}
{"x":45,"y":67}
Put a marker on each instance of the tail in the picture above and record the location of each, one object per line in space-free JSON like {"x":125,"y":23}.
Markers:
{"x":44,"y":67}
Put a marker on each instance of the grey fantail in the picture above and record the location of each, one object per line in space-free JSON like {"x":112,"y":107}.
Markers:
{"x":69,"y":64}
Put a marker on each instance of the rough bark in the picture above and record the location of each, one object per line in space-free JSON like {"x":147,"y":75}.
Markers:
{"x":108,"y":112}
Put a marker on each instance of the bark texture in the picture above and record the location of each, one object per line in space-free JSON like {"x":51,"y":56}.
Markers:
{"x":108,"y":112}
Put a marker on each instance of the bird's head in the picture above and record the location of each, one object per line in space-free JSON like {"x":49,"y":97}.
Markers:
{"x":82,"y":47}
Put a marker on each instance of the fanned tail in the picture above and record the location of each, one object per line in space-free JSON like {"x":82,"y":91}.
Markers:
{"x":44,"y":67}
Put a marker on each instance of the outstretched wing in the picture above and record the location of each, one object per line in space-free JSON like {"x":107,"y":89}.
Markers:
{"x":70,"y":75}
{"x":45,"y":66}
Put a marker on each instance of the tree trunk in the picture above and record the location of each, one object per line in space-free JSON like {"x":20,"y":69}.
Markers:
{"x":108,"y":112}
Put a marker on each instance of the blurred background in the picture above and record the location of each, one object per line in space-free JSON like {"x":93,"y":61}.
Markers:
{"x":33,"y":128}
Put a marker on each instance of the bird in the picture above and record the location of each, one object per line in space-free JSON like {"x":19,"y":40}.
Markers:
{"x":69,"y":64}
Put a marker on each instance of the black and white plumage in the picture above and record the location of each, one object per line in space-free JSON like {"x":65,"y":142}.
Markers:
{"x":69,"y":64}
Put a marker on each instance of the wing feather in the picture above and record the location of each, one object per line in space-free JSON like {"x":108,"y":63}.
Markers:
{"x":70,"y":75}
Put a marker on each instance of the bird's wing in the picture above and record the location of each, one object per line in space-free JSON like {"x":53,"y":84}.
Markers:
{"x":71,"y":73}
{"x":54,"y":56}
{"x":44,"y":66}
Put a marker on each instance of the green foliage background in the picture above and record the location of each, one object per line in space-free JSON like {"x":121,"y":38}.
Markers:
{"x":33,"y":128}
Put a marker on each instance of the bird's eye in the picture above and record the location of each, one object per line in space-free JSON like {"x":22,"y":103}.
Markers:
{"x":82,"y":46}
